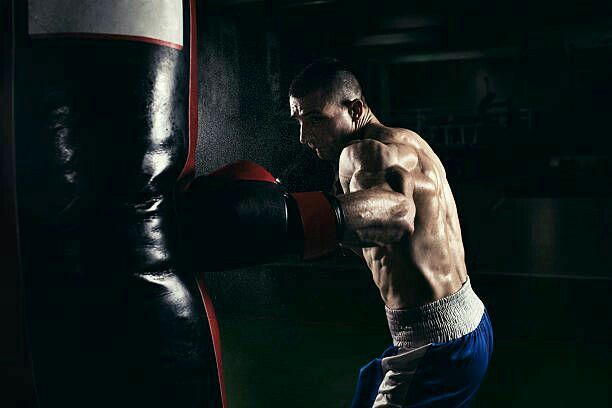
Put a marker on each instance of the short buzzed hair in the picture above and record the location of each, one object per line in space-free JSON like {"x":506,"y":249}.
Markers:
{"x":329,"y":75}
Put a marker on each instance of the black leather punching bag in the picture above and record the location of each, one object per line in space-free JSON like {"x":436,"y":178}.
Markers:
{"x":101,"y":135}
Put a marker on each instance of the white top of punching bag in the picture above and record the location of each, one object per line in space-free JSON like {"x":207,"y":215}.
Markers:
{"x":155,"y":21}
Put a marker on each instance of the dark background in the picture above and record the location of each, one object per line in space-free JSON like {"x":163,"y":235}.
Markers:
{"x":526,"y":152}
{"x":515,"y":97}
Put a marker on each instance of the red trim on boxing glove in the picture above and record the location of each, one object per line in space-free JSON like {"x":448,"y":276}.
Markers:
{"x":319,"y":223}
{"x":243,"y":170}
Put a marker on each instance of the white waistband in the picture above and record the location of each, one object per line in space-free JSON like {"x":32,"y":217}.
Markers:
{"x":443,"y":320}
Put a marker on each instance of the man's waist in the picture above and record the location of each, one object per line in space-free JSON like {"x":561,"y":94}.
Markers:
{"x":443,"y":320}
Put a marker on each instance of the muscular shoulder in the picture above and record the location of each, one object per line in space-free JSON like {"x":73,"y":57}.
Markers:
{"x":369,"y":153}
{"x":424,"y":156}
{"x":378,"y":151}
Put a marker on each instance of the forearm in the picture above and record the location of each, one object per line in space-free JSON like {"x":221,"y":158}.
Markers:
{"x":375,"y":217}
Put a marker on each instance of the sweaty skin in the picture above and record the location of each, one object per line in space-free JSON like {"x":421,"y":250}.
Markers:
{"x":399,"y":208}
{"x":427,"y":262}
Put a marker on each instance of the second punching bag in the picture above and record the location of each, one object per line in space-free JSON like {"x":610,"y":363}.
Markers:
{"x":101,"y":137}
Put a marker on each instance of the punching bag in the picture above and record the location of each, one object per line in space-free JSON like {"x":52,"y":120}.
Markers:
{"x":102,"y":132}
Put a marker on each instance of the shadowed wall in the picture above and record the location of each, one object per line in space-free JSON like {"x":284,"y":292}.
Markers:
{"x":526,"y":157}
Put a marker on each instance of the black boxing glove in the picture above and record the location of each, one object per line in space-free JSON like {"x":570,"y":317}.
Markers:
{"x":240,"y":214}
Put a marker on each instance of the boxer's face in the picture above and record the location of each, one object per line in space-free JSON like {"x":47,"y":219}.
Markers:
{"x":324,"y":124}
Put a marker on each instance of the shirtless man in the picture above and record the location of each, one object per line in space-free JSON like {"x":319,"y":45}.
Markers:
{"x":401,"y":218}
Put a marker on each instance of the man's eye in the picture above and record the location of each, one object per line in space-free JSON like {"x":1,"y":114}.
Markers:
{"x":316,"y":120}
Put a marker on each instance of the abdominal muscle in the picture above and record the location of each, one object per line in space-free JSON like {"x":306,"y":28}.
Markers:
{"x":400,"y":283}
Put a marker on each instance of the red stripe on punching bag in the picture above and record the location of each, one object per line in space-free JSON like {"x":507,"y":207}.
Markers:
{"x":187,"y":174}
{"x":189,"y":168}
{"x":213,"y":325}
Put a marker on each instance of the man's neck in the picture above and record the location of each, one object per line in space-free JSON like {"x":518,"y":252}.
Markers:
{"x":365,"y":122}
{"x":368,"y":118}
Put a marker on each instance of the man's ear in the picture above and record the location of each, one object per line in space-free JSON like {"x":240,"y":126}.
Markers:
{"x":356,"y":108}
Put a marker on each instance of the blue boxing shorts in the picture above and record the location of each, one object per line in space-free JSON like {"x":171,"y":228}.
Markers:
{"x":439,"y":356}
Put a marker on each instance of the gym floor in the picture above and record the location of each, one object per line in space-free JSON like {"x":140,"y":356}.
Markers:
{"x":304,"y":346}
